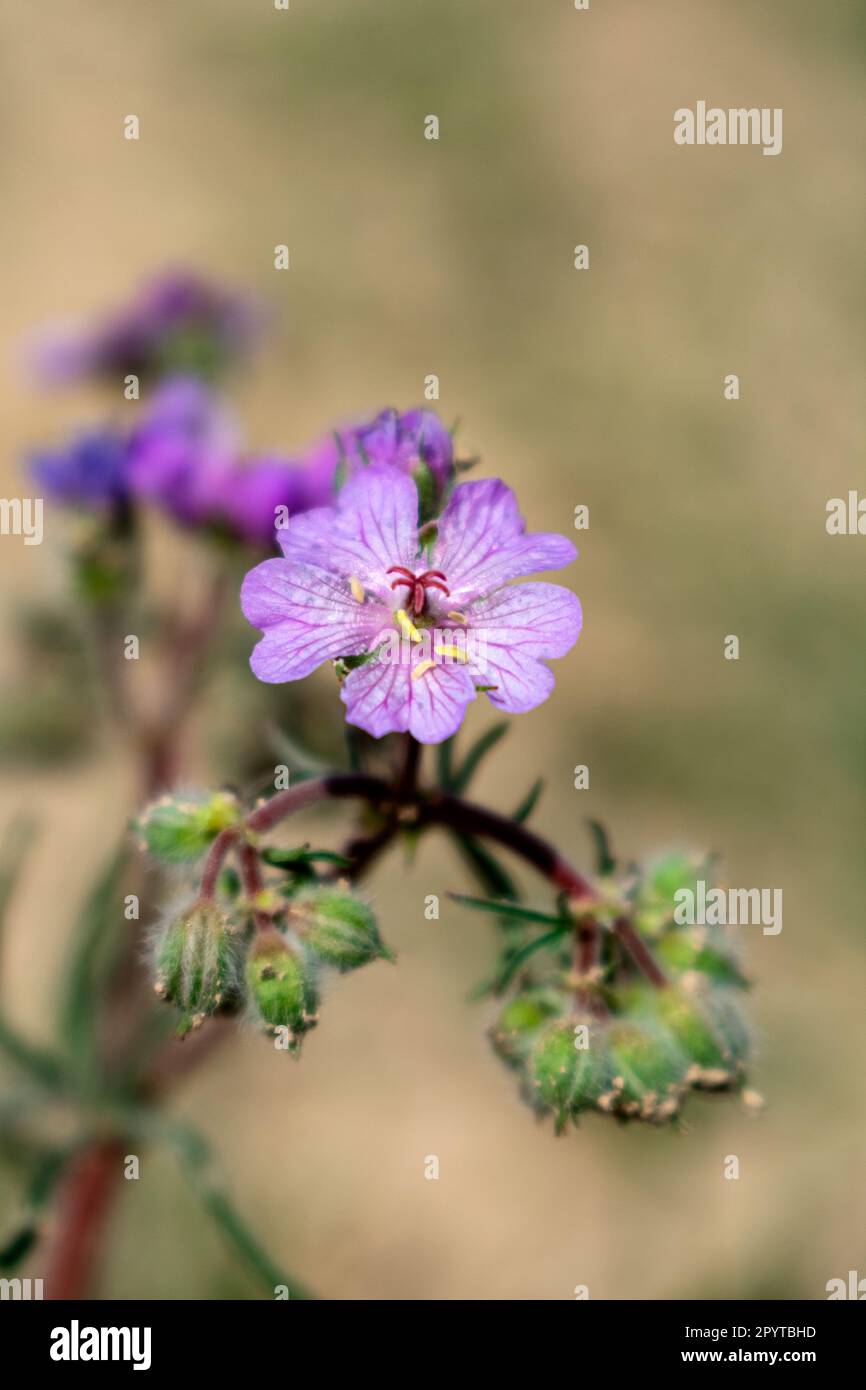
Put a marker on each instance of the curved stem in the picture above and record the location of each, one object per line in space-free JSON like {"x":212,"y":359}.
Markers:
{"x":438,"y":809}
{"x":465,"y":816}
{"x":214,"y":862}
{"x":336,"y":784}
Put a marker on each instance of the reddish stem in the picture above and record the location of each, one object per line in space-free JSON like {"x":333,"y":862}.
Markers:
{"x":348,"y":784}
{"x":85,"y":1197}
{"x":214,"y":862}
{"x":477,"y":820}
{"x":640,"y":954}
{"x":251,"y":874}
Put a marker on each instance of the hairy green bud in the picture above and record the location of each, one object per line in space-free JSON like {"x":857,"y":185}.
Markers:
{"x":198,"y":965}
{"x":338,"y":928}
{"x":515,"y":1030}
{"x":646,"y":1071}
{"x":281,"y":987}
{"x":710,"y":1033}
{"x":654,"y":899}
{"x":699,"y":949}
{"x":179,"y":829}
{"x":563,"y":1077}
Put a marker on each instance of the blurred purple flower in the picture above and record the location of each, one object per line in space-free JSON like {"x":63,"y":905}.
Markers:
{"x":182,"y":452}
{"x":176,"y":321}
{"x":89,"y":472}
{"x":354,"y":577}
{"x":255,"y":495}
{"x":186,"y":457}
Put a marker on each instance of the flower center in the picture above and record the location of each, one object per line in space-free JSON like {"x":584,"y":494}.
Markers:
{"x":418,"y":584}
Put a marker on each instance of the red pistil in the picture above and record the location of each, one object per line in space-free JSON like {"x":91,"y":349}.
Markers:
{"x":418,"y":584}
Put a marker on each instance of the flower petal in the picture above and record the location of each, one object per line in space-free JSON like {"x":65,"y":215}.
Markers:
{"x":510,"y":630}
{"x":521,"y":681}
{"x":382,"y":698}
{"x":308,"y":616}
{"x":537,"y":619}
{"x":374,"y":526}
{"x":482,"y":541}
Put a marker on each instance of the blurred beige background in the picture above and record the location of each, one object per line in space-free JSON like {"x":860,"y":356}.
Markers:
{"x":707,"y":518}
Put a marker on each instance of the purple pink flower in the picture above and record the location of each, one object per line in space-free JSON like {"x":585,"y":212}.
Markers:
{"x":423,"y":620}
{"x":186,"y":456}
{"x":416,"y":442}
{"x":183,"y":450}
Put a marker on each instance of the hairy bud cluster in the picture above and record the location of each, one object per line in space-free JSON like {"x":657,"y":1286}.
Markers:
{"x":207,"y":963}
{"x":639,"y":1050}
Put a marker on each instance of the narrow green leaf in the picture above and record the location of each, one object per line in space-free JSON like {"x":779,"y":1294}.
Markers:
{"x":487,"y":869}
{"x":97,"y":938}
{"x":604,"y":860}
{"x":47,"y":1176}
{"x":516,"y":962}
{"x":195,"y":1157}
{"x":18,"y":836}
{"x":513,"y":910}
{"x":39,"y":1063}
{"x":18,"y":1246}
{"x":529,"y":802}
{"x":341,"y":471}
{"x":475,"y":756}
{"x":445,"y":764}
{"x":48,"y":1173}
{"x":484,"y":989}
{"x":43,"y":1065}
{"x":353,"y":749}
{"x":288,"y":858}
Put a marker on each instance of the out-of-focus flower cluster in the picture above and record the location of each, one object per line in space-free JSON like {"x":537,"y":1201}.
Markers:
{"x":183,"y":450}
{"x":178,"y":321}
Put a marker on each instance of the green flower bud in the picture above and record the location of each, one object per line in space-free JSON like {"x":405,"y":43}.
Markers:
{"x":646,"y":1071}
{"x":654,"y":900}
{"x":710,"y":1032}
{"x":281,"y":987}
{"x":683,"y":950}
{"x":198,"y":965}
{"x":514,"y":1032}
{"x":563,"y":1077}
{"x":179,"y":829}
{"x":338,"y":928}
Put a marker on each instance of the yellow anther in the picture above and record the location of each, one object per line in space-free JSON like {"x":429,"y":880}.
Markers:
{"x":456,"y":653}
{"x":422,"y":668}
{"x":357,"y":589}
{"x":459,"y":617}
{"x":407,"y":625}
